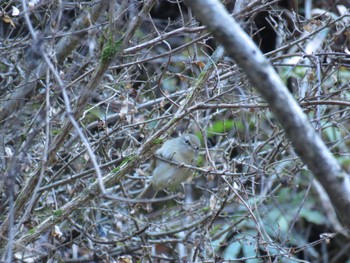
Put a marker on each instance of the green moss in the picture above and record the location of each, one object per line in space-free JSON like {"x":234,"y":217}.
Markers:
{"x":23,"y":137}
{"x":215,"y":229}
{"x":57,"y":213}
{"x":158,"y":141}
{"x":126,"y":160}
{"x":31,"y":231}
{"x":3,"y":67}
{"x":110,"y":50}
{"x":205,"y":209}
{"x":55,"y":132}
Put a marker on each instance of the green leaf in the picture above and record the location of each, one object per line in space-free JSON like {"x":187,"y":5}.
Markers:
{"x":57,"y":212}
{"x":313,"y":216}
{"x":232,"y":251}
{"x":249,"y":251}
{"x":220,"y":127}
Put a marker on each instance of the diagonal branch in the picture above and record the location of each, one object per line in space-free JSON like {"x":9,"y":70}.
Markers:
{"x":307,"y":143}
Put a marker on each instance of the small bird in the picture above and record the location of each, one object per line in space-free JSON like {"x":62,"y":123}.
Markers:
{"x":168,"y":175}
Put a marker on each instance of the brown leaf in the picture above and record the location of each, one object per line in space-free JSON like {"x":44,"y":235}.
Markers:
{"x":8,"y":20}
{"x":200,"y":64}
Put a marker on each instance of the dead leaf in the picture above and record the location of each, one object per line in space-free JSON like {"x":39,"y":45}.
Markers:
{"x":8,"y":20}
{"x":200,"y":64}
{"x":308,"y":27}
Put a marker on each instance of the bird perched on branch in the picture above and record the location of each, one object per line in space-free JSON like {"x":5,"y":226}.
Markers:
{"x":168,"y":172}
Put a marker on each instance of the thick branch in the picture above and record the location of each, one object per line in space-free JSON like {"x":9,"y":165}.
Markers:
{"x":306,"y":141}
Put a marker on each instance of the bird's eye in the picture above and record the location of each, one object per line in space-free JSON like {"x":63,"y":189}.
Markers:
{"x":187,"y":141}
